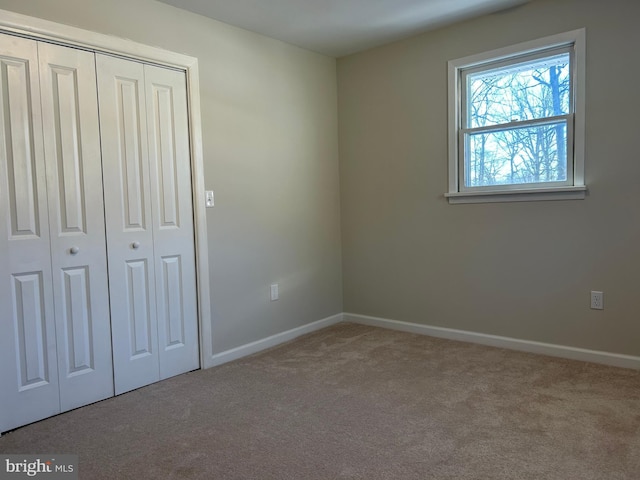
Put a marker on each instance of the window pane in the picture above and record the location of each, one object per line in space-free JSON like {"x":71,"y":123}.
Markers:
{"x":529,"y":90}
{"x":532,"y":154}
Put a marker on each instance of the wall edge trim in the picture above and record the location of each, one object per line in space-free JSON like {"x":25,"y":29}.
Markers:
{"x":272,"y":341}
{"x":540,"y":348}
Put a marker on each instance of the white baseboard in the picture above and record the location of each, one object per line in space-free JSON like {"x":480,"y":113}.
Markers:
{"x":561,"y":351}
{"x":272,"y":341}
{"x":605,"y":358}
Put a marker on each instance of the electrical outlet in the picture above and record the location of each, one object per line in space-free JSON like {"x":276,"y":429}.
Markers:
{"x":274,"y":292}
{"x":597,"y":300}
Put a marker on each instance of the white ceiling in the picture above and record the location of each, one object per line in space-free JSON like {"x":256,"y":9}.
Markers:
{"x":341,"y":27}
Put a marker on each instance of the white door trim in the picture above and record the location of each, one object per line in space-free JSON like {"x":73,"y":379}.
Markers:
{"x":39,"y":29}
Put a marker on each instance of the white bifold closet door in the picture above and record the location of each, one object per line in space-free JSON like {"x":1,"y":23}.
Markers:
{"x":149,"y":219}
{"x":76,"y":224}
{"x":55,"y":345}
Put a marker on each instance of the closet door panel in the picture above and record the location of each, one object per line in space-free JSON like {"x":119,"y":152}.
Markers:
{"x":28,"y":368}
{"x":76,"y":212}
{"x":125,"y":165}
{"x":171,"y":197}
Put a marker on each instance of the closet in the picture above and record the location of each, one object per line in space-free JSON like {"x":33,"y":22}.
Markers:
{"x":97,"y":258}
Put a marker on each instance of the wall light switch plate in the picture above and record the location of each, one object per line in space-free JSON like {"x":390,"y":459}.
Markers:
{"x":208,"y":198}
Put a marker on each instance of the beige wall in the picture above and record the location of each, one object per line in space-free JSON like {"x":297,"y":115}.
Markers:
{"x":269,"y":112}
{"x":521,"y":270}
{"x":269,"y":121}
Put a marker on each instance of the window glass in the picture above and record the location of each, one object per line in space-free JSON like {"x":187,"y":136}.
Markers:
{"x":523,"y":91}
{"x":529,"y":154}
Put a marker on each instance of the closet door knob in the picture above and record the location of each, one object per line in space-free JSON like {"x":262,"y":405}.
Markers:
{"x":135,"y":245}
{"x":74,"y":250}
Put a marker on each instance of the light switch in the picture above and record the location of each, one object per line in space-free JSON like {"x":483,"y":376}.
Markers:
{"x":208,"y":198}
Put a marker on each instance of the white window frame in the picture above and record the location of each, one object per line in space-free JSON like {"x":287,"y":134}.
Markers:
{"x":572,"y":189}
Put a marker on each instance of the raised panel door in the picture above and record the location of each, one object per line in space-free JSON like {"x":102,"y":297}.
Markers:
{"x":171,"y":201}
{"x":130,"y":243}
{"x":76,"y":220}
{"x":28,"y":366}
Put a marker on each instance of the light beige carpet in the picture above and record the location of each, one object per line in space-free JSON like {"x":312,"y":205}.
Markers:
{"x":356,"y":402}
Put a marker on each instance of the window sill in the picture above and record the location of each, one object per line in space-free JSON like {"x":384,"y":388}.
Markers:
{"x":528,"y":195}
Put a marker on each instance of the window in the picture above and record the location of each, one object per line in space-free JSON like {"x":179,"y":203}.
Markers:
{"x":516,"y":122}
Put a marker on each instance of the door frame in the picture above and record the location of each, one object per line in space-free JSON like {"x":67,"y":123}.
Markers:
{"x":38,"y":29}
